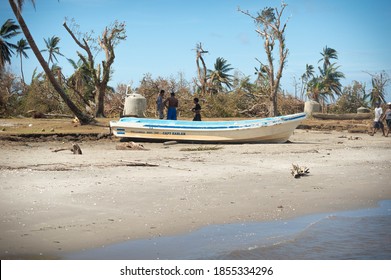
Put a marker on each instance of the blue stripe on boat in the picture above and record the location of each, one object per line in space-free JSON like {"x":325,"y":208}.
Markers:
{"x":181,"y":124}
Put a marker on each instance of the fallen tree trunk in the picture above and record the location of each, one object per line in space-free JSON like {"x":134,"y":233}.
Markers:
{"x":40,"y":115}
{"x":351,"y":116}
{"x":59,"y":116}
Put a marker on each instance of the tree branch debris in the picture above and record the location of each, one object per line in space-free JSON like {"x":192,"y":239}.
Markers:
{"x":298,"y":171}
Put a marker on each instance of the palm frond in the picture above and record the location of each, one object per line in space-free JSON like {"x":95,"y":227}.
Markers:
{"x":20,"y":4}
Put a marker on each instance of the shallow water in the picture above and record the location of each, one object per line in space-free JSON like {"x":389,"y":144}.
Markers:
{"x":360,"y":234}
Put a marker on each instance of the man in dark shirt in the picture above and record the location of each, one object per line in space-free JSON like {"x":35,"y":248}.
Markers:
{"x":171,"y":103}
{"x":197,"y":110}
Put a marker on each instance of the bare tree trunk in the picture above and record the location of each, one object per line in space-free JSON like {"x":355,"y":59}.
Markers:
{"x":270,"y":30}
{"x":106,"y":43}
{"x":21,"y":69}
{"x":83,"y":118}
{"x":109,"y":39}
{"x":273,"y":111}
{"x":201,"y":75}
{"x":100,"y":98}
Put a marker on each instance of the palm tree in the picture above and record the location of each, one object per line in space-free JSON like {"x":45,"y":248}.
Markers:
{"x":220,"y":75}
{"x":331,"y":81}
{"x":8,"y":30}
{"x":16,"y":6}
{"x":379,"y":84}
{"x":324,"y":87}
{"x":52,"y":48}
{"x":81,"y":81}
{"x":244,"y":84}
{"x":21,"y":47}
{"x":307,"y":75}
{"x":315,"y":88}
{"x":328,"y":54}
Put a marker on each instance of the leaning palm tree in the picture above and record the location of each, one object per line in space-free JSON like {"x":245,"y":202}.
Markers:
{"x":219,"y":75}
{"x":21,"y":47}
{"x":16,"y":6}
{"x":52,"y":48}
{"x":8,"y":30}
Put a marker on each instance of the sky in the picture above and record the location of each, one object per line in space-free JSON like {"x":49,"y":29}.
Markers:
{"x":162,"y":35}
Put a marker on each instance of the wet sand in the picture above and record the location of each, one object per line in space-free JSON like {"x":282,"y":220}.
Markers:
{"x":52,"y":203}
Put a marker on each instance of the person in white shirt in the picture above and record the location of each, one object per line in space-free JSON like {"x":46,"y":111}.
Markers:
{"x":377,"y":122}
{"x":387,"y":118}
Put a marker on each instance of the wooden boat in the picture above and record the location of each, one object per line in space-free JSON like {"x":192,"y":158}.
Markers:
{"x":266,"y":130}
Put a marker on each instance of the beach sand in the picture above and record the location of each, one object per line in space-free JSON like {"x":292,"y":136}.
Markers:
{"x":52,"y":203}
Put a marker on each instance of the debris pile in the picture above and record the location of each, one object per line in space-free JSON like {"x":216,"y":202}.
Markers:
{"x":129,"y":146}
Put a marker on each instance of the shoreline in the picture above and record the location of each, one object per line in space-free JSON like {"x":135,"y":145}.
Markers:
{"x":54,"y":203}
{"x":244,"y":240}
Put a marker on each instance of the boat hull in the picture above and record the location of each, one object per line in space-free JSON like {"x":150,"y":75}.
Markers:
{"x":267,"y":130}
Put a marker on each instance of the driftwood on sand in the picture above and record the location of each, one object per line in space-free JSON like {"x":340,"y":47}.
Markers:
{"x":74,"y":149}
{"x":136,"y":163}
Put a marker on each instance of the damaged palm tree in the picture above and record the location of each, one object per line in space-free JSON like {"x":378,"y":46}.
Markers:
{"x":100,"y":73}
{"x":202,"y":73}
{"x":272,"y":31}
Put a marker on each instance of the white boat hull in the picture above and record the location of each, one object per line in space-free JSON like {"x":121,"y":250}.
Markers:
{"x":268,"y":130}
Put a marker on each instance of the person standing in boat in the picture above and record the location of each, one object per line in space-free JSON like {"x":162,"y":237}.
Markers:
{"x":160,"y":105}
{"x":171,"y":104}
{"x":197,"y":110}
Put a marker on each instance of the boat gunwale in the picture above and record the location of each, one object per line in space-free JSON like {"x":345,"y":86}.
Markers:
{"x":147,"y":123}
